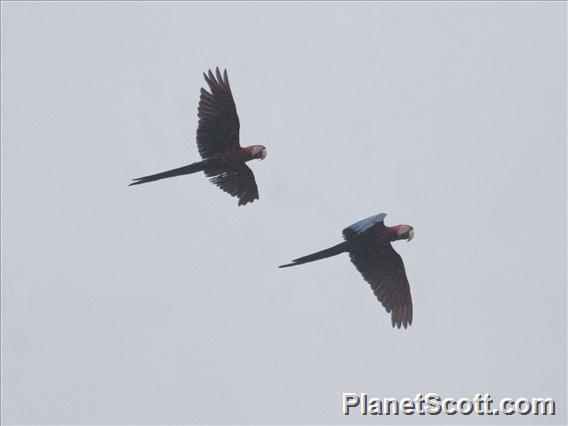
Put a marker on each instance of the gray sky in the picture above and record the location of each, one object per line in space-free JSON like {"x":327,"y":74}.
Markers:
{"x":163,"y":303}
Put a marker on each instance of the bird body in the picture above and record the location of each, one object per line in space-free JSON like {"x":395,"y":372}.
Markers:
{"x":229,"y":158}
{"x":224,"y":160}
{"x":368,"y":243}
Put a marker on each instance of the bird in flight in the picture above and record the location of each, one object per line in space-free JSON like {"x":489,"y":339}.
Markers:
{"x":224,"y":160}
{"x":368,"y":243}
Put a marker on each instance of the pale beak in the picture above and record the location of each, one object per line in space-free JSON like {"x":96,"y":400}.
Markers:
{"x":263,"y":154}
{"x":410,"y":234}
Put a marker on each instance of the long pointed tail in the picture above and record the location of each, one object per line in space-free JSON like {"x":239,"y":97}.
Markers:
{"x":185,"y":170}
{"x":332,"y":251}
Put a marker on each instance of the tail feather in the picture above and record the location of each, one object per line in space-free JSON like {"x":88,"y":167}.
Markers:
{"x":185,"y":170}
{"x":332,"y":251}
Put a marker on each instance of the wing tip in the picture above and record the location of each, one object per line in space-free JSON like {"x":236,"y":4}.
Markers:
{"x":244,"y":202}
{"x":216,"y":77}
{"x":401,"y":316}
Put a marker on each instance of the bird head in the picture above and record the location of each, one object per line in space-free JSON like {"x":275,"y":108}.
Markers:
{"x":405,"y":232}
{"x":259,"y":151}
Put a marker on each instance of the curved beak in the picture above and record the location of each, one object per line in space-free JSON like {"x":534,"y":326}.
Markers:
{"x":410,"y":234}
{"x":263,"y":154}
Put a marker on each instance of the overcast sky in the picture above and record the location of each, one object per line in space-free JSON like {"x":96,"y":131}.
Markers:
{"x":163,"y":303}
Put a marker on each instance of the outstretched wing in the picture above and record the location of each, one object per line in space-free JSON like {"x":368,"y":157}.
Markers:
{"x":238,"y":181}
{"x":364,"y":225}
{"x":383,"y":269}
{"x":218,"y":128}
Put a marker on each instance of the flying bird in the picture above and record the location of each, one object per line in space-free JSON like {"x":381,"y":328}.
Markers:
{"x":224,"y":160}
{"x":368,"y":243}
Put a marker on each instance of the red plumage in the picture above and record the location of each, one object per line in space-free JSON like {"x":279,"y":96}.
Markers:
{"x":218,"y":144}
{"x":368,"y":243}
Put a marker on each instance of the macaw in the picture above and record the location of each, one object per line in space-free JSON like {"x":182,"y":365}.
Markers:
{"x":224,"y":160}
{"x":368,"y":243}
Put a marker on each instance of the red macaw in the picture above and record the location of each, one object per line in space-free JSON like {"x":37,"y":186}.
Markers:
{"x":218,"y":144}
{"x":368,"y":243}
